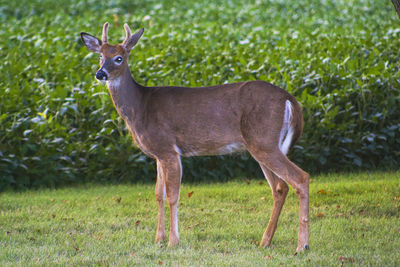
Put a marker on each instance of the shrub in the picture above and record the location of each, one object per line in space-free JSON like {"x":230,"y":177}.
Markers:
{"x":58,"y":126}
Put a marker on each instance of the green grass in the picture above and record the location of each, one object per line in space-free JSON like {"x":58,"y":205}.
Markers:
{"x":354,"y":218}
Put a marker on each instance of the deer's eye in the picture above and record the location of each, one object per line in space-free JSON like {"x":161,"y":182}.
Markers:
{"x":118,"y":59}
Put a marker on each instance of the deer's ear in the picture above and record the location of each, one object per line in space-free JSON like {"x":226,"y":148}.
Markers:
{"x":91,"y":42}
{"x":134,"y":39}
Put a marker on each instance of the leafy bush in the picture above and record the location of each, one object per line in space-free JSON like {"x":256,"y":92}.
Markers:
{"x":58,"y":126}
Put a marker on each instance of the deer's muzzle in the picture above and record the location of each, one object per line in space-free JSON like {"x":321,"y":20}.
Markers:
{"x":101,"y":75}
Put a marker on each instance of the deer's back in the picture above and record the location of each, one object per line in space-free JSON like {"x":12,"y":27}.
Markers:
{"x":209,"y":120}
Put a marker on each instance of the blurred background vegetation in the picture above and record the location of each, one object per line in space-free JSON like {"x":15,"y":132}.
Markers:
{"x":58,"y":125}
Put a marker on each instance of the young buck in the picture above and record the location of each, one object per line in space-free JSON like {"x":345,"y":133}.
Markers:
{"x":170,"y":122}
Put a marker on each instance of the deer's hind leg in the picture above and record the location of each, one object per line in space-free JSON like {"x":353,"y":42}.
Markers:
{"x":281,"y":166}
{"x":279,"y":192}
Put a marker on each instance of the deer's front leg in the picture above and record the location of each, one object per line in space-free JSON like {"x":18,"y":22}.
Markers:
{"x":160,"y":197}
{"x":172,"y":171}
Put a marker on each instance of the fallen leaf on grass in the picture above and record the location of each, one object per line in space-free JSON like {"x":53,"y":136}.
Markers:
{"x":51,"y":199}
{"x":343,"y":259}
{"x":190,"y":194}
{"x":320,"y":215}
{"x":254,"y":242}
{"x":321,"y":192}
{"x":193,"y":226}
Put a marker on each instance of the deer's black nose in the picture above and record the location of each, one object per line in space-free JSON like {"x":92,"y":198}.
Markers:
{"x":101,"y":75}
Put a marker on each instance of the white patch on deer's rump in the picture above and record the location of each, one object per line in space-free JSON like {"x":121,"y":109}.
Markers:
{"x":286,"y":134}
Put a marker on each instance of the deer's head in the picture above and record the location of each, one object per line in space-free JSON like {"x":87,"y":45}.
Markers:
{"x":113,"y":58}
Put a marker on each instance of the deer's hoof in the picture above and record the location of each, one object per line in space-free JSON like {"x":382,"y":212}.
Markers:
{"x":265,"y":244}
{"x":302,"y":248}
{"x":173,"y":242}
{"x":160,"y":238}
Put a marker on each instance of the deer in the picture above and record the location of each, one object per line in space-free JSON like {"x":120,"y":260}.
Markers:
{"x":171,"y":122}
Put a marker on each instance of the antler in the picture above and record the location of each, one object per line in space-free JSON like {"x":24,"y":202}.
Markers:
{"x":128,"y":34}
{"x":105,"y":33}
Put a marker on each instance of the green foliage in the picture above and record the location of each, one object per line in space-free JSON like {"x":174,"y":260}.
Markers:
{"x":58,"y":126}
{"x":354,"y":220}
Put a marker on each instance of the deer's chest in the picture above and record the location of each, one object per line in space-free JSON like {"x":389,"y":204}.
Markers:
{"x":140,"y":138}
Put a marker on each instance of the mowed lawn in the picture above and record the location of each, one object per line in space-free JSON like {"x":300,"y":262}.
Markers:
{"x":354,"y":220}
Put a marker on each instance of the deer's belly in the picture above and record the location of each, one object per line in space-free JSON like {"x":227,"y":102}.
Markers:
{"x":209,"y":150}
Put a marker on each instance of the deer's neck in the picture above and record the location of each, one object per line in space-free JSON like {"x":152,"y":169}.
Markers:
{"x":127,"y":95}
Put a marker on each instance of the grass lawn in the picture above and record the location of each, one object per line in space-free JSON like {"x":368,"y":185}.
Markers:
{"x":354,"y":221}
